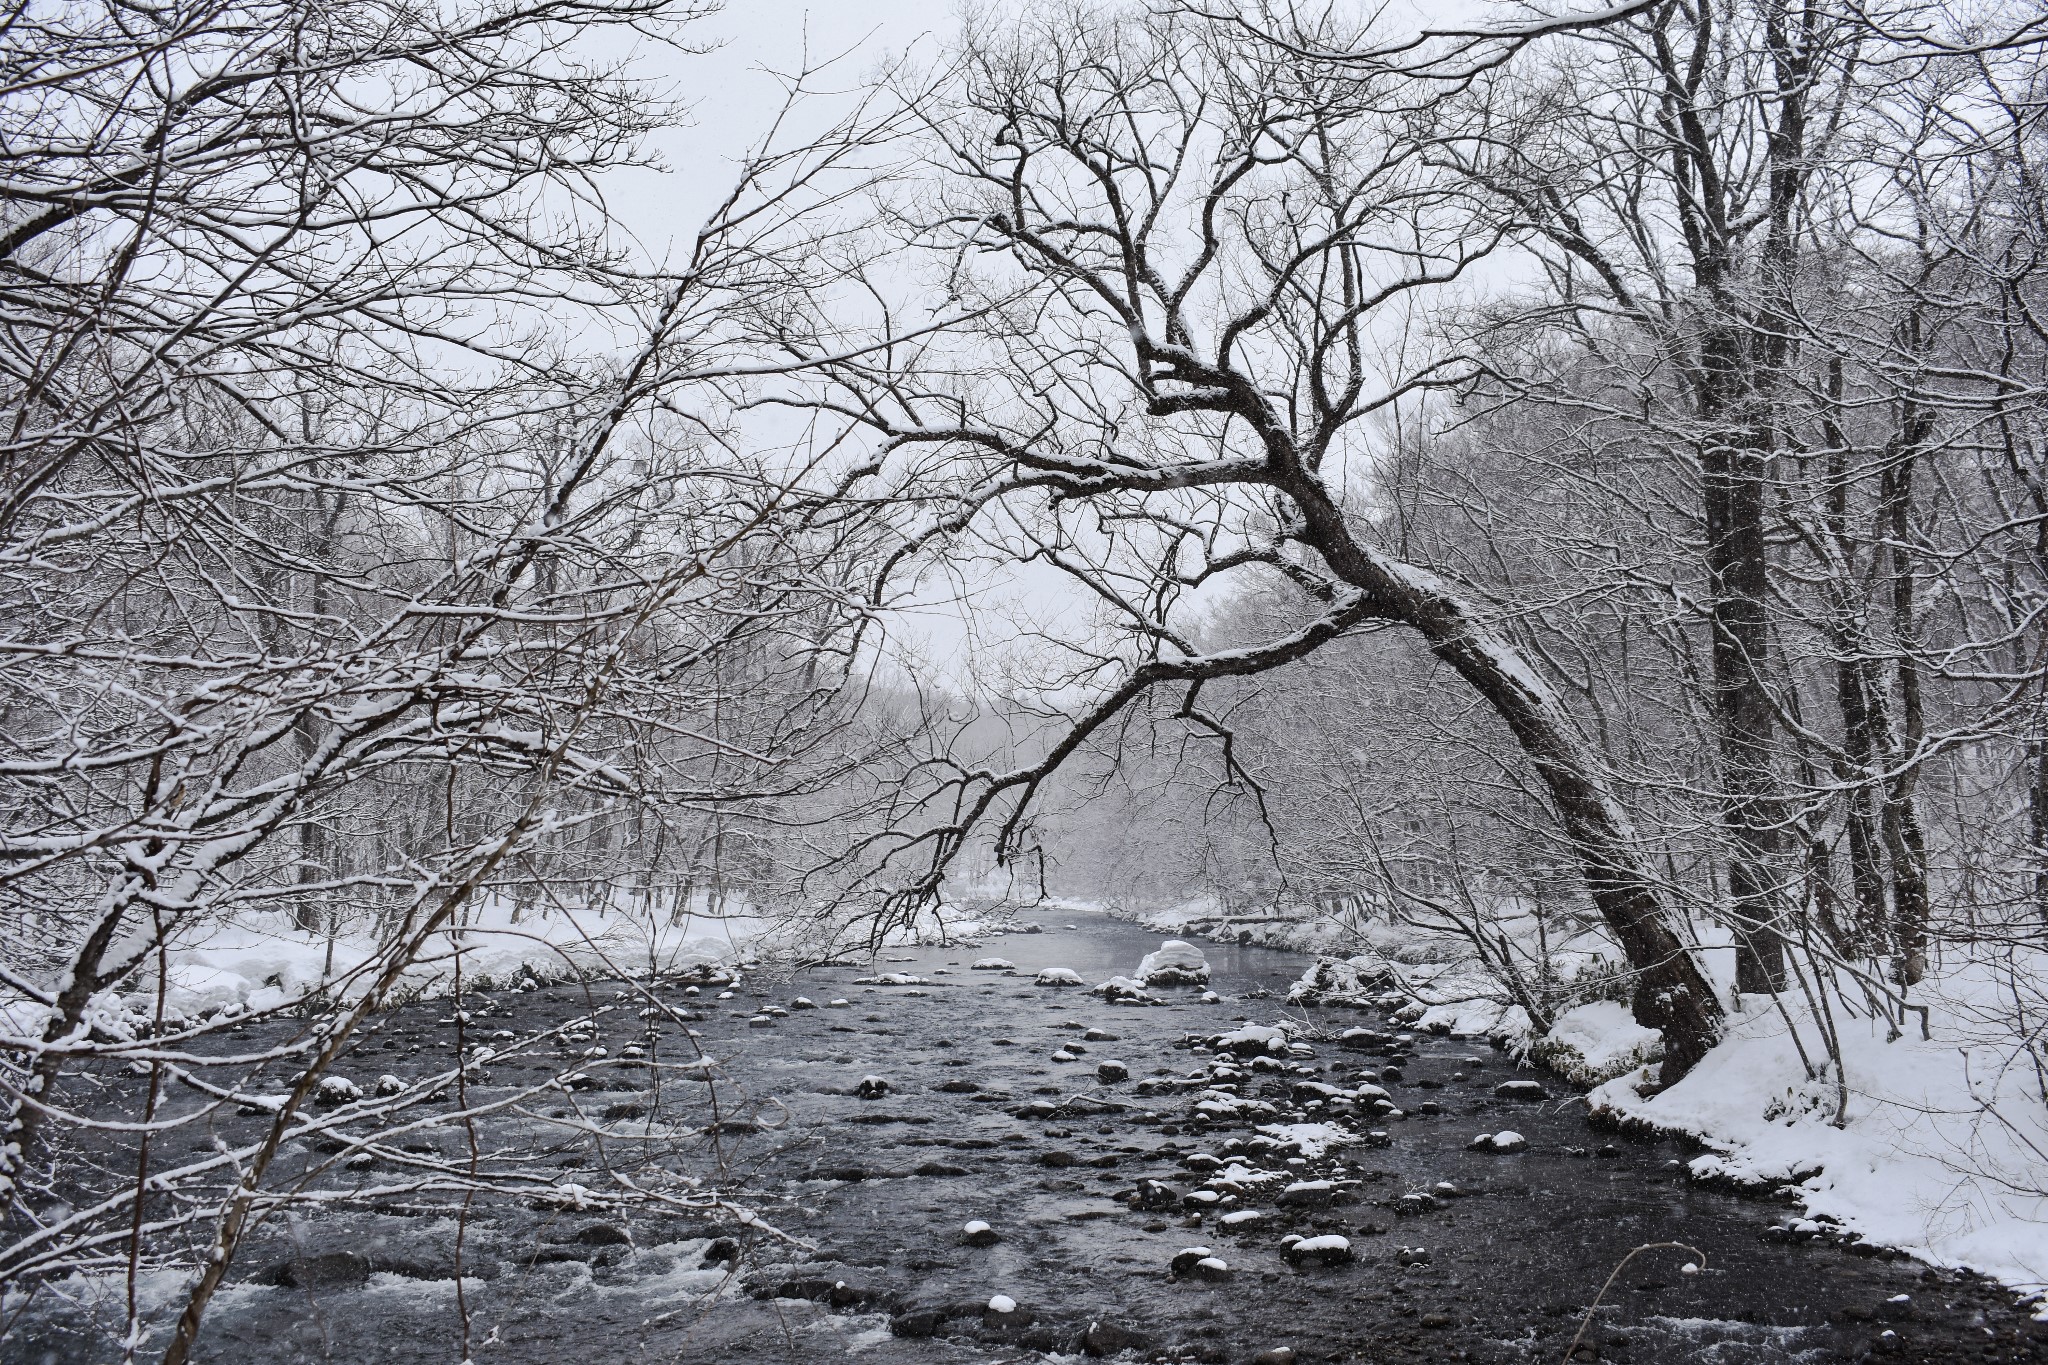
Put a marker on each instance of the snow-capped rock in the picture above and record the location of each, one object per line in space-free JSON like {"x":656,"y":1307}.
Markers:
{"x":1356,"y":982}
{"x":1175,"y":963}
{"x":1594,"y":1043}
{"x":1124,"y":990}
{"x":337,"y":1090}
{"x":1326,"y":1250}
{"x":1251,"y":1040}
{"x":1059,"y":976}
{"x":1506,"y":1141}
{"x":994,"y":964}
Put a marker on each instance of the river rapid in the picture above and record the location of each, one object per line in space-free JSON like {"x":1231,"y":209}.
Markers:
{"x":855,"y":1245}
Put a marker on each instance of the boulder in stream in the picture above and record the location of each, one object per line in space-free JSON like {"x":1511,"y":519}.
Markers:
{"x":1175,"y":963}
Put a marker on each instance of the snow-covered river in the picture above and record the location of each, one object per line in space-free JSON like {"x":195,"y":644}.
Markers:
{"x":1453,"y":1254}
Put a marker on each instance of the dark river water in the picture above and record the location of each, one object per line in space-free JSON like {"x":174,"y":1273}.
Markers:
{"x":845,"y":1236}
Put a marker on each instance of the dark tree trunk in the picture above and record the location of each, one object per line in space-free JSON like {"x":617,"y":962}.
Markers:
{"x":1904,"y":842}
{"x":1734,"y":468}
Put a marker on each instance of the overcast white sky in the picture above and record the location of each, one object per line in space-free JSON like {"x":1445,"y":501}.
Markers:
{"x":735,"y":99}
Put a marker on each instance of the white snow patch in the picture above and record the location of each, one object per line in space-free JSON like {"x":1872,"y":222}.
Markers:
{"x":1311,"y":1140}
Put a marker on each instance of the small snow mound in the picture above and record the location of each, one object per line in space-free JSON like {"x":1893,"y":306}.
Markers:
{"x":1059,"y":976}
{"x":1002,"y":1303}
{"x":994,"y":964}
{"x":1595,"y":1043}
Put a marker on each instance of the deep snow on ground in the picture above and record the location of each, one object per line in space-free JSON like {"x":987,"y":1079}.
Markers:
{"x":1942,"y":1151}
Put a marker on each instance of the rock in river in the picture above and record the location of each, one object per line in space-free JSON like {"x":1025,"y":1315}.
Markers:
{"x":1506,"y":1141}
{"x":1174,"y":963}
{"x":1326,"y":1250}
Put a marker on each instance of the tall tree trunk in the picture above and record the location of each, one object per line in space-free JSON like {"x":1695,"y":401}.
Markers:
{"x":1904,"y":841}
{"x":2037,"y":803}
{"x":1734,"y":468}
{"x":1857,"y":697}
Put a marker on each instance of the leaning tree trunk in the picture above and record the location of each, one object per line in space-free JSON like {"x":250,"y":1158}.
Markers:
{"x":1671,"y":995}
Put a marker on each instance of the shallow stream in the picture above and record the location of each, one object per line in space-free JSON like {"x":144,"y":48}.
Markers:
{"x":1458,"y":1254}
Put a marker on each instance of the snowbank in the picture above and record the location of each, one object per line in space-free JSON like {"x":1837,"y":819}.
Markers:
{"x":261,"y":962}
{"x":1943,"y":1152}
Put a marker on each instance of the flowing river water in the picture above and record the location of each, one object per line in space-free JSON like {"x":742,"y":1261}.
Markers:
{"x":860,"y":1251}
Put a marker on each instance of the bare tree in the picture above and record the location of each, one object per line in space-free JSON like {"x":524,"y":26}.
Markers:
{"x":352,"y":569}
{"x":1192,"y":251}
